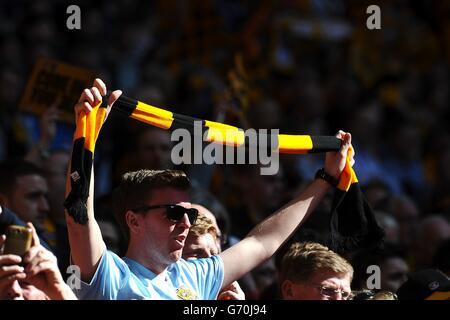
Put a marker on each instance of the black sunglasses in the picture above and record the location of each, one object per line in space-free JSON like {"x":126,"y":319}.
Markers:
{"x":174,"y":212}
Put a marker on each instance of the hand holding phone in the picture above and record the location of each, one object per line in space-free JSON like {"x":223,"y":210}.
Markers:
{"x":11,"y":260}
{"x":18,"y":240}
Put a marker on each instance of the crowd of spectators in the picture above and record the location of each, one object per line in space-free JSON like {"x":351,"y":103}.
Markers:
{"x":311,"y":67}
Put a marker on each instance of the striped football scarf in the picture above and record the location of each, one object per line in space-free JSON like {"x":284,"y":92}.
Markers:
{"x":352,"y":224}
{"x":219,"y":132}
{"x":86,"y":133}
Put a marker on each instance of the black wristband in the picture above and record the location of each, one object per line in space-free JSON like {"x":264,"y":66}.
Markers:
{"x":322,"y":174}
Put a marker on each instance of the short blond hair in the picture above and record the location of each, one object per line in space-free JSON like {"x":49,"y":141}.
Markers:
{"x":303,"y":260}
{"x":202,"y":226}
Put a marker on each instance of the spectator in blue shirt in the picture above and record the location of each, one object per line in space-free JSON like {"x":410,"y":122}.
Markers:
{"x":153,"y":209}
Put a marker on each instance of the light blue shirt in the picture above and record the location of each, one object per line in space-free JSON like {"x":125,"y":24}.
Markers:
{"x":124,"y":279}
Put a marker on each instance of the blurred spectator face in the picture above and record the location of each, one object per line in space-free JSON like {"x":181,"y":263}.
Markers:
{"x":23,"y":291}
{"x":323,"y":285}
{"x":153,"y":149}
{"x":312,"y":100}
{"x":29,"y":198}
{"x":150,"y":93}
{"x":40,"y":40}
{"x":203,"y":246}
{"x":10,"y":89}
{"x":407,"y":151}
{"x":56,"y":170}
{"x":366,"y":120}
{"x":264,"y":192}
{"x":264,"y":275}
{"x":11,"y":52}
{"x":432,"y":232}
{"x":390,"y":226}
{"x":407,"y":215}
{"x":43,"y":31}
{"x":376,"y":193}
{"x":202,"y":241}
{"x":203,"y":211}
{"x":394,"y":272}
{"x":265,"y":115}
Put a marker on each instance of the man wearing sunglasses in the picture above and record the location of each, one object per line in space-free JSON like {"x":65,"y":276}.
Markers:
{"x":153,"y":211}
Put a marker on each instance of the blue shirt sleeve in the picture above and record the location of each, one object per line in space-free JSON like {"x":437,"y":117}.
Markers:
{"x":209,"y":275}
{"x":111,"y":275}
{"x":214,"y":278}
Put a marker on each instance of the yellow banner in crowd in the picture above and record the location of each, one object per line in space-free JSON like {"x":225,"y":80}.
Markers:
{"x":54,"y":82}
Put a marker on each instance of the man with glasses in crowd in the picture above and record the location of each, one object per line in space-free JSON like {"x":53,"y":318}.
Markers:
{"x":153,"y":210}
{"x":311,"y":271}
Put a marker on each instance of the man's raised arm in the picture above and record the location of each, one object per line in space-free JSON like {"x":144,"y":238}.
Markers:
{"x":86,"y":243}
{"x":263,"y":241}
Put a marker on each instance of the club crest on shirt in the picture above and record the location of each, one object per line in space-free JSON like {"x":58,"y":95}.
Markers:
{"x":185,"y":293}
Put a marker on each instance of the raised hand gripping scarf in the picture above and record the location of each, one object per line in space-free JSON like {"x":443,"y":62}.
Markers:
{"x":86,"y":134}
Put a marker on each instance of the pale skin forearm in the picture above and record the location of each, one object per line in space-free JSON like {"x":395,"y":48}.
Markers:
{"x":262,"y":242}
{"x":86,"y":242}
{"x":269,"y":235}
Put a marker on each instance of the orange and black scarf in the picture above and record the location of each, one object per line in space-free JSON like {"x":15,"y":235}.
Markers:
{"x":86,"y":133}
{"x":219,"y":132}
